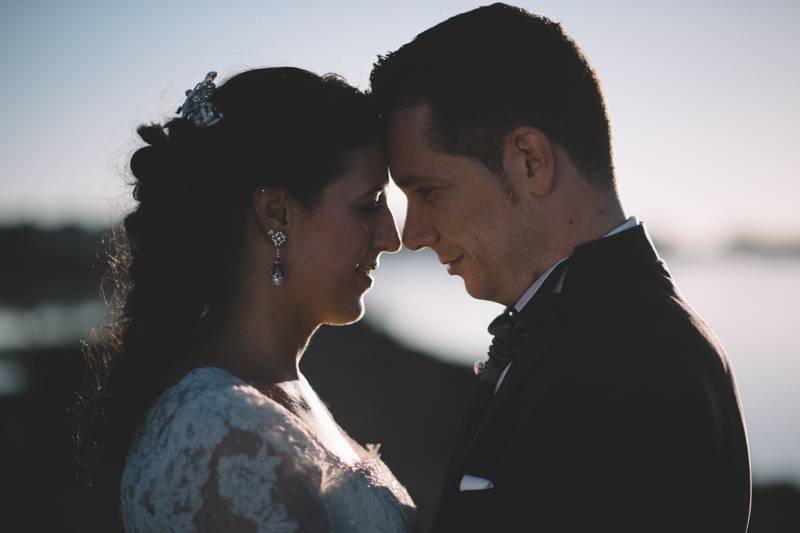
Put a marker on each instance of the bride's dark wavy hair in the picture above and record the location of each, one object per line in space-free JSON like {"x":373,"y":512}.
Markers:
{"x":172,"y":258}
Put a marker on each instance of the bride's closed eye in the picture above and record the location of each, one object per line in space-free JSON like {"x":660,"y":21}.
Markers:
{"x":376,"y":204}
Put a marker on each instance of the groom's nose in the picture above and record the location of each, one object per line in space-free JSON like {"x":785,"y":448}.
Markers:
{"x":417,"y":232}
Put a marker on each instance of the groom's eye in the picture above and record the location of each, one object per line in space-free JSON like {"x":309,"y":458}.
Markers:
{"x":424,"y":192}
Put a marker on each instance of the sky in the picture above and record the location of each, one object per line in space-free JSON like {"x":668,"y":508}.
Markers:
{"x":703,"y":99}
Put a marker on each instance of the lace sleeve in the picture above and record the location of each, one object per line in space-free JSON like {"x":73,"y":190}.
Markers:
{"x":222,"y":459}
{"x":253,"y":487}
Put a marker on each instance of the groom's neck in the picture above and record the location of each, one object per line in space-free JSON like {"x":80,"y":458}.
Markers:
{"x":578,"y":219}
{"x":585,"y":215}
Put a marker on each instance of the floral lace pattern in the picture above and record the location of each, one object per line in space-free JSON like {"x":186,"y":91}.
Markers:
{"x":215,"y":454}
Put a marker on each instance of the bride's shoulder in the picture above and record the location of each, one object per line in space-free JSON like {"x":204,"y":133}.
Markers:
{"x":211,"y":452}
{"x":209,"y":402}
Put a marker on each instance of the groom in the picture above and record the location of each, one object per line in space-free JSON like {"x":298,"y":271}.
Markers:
{"x":606,"y":404}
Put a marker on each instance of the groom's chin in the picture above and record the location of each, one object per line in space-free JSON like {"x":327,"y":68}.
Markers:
{"x":478,"y":290}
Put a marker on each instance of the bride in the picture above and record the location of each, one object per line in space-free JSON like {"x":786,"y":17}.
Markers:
{"x":260,"y":215}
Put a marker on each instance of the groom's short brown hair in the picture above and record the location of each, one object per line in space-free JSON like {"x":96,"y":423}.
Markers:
{"x":489,"y":70}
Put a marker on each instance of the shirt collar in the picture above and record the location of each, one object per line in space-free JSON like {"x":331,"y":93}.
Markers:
{"x":528,"y":294}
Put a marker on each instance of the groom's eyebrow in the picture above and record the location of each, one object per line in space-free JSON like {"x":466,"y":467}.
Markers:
{"x":411,"y":179}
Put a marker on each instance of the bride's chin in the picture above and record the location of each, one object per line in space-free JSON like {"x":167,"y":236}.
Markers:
{"x":349,"y":315}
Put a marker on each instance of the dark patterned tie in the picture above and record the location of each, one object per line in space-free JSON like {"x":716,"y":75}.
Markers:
{"x":508,"y":335}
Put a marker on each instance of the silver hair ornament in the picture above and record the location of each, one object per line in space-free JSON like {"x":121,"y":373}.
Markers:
{"x":197,"y":108}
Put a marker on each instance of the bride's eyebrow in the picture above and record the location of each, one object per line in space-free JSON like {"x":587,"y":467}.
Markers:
{"x":372,"y":191}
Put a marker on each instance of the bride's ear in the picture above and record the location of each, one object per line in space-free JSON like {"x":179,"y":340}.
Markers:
{"x":274,"y":207}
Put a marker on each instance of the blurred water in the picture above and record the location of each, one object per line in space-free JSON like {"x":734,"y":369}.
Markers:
{"x":749,"y":301}
{"x":47,"y":324}
{"x":12,"y":377}
{"x":40,"y":327}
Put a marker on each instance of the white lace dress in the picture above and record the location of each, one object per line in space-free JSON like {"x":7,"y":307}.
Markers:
{"x":214,"y":454}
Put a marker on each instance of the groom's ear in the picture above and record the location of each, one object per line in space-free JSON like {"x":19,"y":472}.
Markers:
{"x":529,"y":161}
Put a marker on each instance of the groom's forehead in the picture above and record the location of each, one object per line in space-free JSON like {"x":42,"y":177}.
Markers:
{"x":408,"y":142}
{"x":411,"y":165}
{"x":412,"y":120}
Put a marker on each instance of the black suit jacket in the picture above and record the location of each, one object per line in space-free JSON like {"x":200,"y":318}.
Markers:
{"x":621,"y":414}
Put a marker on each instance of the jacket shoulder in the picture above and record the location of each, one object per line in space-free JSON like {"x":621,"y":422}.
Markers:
{"x":644,"y":329}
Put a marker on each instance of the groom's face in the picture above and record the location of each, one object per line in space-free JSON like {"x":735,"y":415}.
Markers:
{"x":456,"y":206}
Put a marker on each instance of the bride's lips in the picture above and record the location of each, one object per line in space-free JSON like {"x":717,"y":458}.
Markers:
{"x":452,"y":264}
{"x":364,"y":271}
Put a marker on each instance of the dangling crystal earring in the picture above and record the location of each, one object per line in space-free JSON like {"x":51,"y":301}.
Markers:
{"x":278,"y":239}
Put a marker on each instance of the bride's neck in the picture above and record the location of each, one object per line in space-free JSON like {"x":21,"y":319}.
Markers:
{"x":261,"y":344}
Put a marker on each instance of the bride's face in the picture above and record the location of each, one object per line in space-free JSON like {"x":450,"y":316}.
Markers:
{"x":336,"y":246}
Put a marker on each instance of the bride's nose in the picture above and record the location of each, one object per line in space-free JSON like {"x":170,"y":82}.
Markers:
{"x":384,"y":235}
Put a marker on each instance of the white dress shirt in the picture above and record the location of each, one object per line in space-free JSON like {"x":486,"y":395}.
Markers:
{"x":528,"y":294}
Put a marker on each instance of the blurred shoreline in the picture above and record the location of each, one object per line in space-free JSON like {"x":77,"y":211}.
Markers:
{"x":79,"y":254}
{"x":71,"y":244}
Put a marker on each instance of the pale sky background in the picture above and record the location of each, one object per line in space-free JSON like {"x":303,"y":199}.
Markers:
{"x":703,"y":97}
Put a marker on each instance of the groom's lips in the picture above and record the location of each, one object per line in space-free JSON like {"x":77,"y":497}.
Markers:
{"x":452,"y":263}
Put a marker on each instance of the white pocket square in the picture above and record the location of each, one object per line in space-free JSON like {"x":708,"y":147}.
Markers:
{"x":469,"y":482}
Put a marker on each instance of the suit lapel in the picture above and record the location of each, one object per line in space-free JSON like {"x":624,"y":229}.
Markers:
{"x":626,"y":254}
{"x":545,"y":315}
{"x":543,"y":323}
